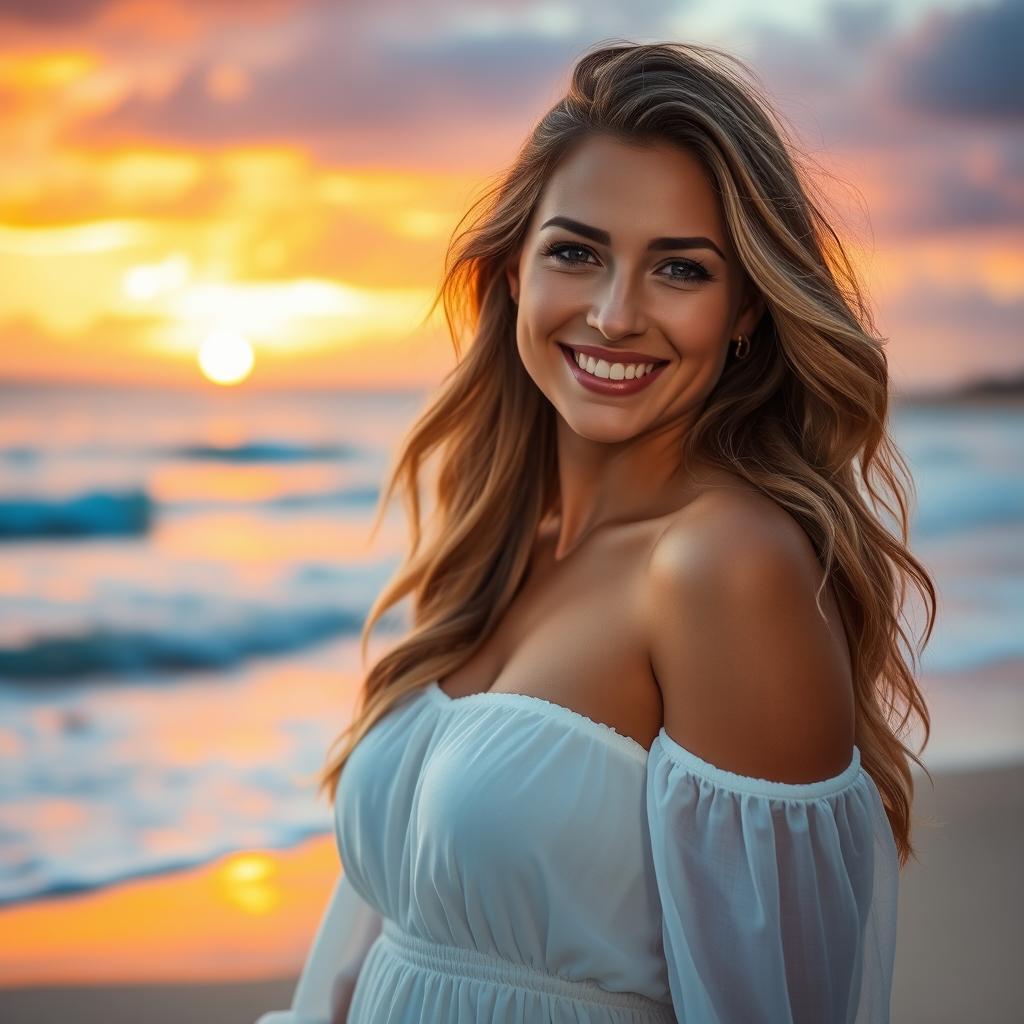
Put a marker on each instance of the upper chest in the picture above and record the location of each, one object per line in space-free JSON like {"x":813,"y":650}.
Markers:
{"x":578,"y":630}
{"x":575,"y":634}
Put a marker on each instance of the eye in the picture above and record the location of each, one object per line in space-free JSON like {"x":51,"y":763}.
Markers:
{"x":566,"y":253}
{"x":559,"y":250}
{"x":693,"y":269}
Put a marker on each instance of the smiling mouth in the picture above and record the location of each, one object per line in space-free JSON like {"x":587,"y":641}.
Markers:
{"x":611,"y":362}
{"x":630,"y":382}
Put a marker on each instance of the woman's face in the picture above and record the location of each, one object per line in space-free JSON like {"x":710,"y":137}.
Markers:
{"x":626,"y":255}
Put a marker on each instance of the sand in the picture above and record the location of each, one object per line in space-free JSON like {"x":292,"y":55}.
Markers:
{"x":960,"y":954}
{"x":197,"y":1003}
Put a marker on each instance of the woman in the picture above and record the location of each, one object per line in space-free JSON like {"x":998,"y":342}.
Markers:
{"x":633,"y":761}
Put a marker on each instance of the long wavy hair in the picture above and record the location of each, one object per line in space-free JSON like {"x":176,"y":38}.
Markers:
{"x":803,"y":418}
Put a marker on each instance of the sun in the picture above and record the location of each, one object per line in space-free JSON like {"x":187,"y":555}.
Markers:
{"x":226,"y":357}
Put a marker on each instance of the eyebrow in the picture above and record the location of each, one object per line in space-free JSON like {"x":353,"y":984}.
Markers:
{"x":604,"y":238}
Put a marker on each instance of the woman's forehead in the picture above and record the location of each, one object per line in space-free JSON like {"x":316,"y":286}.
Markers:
{"x":631,"y":191}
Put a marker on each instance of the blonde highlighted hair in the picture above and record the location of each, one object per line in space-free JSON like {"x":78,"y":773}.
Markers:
{"x":803,"y":417}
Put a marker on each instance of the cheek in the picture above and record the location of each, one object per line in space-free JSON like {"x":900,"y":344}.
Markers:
{"x":548,"y":298}
{"x":695,"y":323}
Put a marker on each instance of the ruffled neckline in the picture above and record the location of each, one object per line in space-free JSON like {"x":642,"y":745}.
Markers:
{"x":675,"y":752}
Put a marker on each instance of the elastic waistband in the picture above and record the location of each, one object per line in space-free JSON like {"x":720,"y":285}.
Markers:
{"x":472,"y":963}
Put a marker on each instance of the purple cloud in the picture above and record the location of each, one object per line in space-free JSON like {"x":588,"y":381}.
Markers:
{"x":968,"y":64}
{"x":51,"y":12}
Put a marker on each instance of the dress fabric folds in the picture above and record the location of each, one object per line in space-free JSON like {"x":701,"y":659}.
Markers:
{"x":510,"y":860}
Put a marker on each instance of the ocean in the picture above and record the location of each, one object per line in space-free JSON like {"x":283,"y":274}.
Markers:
{"x":183,"y":580}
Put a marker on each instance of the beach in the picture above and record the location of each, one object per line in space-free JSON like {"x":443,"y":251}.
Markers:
{"x":181,"y":649}
{"x":958,"y":955}
{"x":289,"y":298}
{"x":170,"y":949}
{"x":224,"y":1003}
{"x":959,"y":941}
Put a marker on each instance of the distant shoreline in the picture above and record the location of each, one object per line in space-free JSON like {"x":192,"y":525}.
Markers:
{"x":204,"y":389}
{"x":982,"y":391}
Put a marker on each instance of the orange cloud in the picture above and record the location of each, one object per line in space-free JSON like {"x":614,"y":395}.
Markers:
{"x":297,"y":183}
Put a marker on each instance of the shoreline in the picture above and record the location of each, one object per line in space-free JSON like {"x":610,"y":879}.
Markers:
{"x":244,"y":917}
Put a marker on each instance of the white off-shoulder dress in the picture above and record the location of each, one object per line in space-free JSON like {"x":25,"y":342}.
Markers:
{"x":506,"y":859}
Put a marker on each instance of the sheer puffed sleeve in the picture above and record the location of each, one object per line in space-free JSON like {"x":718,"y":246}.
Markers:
{"x":347,"y":930}
{"x":779,"y":899}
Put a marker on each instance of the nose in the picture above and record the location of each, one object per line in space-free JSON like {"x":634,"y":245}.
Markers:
{"x":617,"y":312}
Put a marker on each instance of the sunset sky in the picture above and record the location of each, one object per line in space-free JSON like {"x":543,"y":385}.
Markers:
{"x":285,"y":174}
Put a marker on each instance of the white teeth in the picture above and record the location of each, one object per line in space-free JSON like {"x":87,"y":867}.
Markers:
{"x":611,"y":371}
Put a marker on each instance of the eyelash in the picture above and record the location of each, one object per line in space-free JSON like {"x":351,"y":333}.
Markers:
{"x":556,"y":248}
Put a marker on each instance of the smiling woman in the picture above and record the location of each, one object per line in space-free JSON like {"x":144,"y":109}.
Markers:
{"x":629,"y":283}
{"x":636,"y":759}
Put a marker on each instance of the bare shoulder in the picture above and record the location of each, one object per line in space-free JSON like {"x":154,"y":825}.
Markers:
{"x":735,"y":528}
{"x":751,"y":676}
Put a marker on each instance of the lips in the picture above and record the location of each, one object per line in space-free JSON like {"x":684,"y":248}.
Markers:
{"x":610,"y":356}
{"x":606,"y":385}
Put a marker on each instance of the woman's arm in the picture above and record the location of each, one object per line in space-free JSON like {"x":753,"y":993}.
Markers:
{"x":347,"y":929}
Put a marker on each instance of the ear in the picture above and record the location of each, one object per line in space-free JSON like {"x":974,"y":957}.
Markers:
{"x":512,"y":277}
{"x":750,"y":313}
